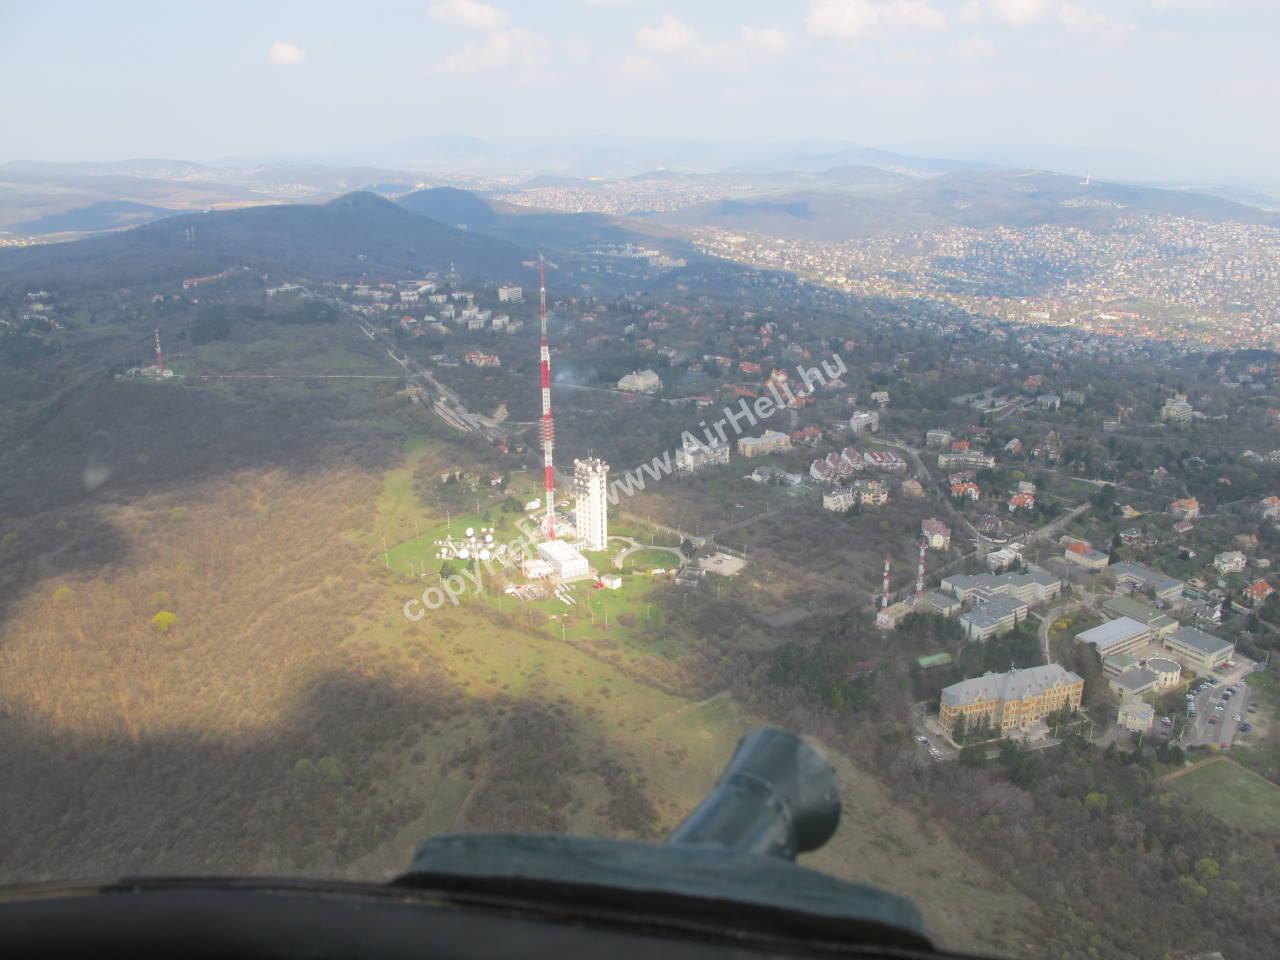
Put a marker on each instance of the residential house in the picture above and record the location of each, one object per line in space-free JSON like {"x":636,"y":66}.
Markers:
{"x":936,"y":533}
{"x":1257,"y":592}
{"x":1230,"y":561}
{"x":1083,"y":555}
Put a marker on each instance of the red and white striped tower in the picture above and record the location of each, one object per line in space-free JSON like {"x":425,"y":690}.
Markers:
{"x":159,"y":354}
{"x":920,"y":573}
{"x":548,"y":426}
{"x":884,"y":600}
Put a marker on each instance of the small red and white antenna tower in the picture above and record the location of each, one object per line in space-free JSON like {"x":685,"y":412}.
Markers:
{"x":548,"y":426}
{"x":159,"y":353}
{"x":884,"y":600}
{"x":920,"y":573}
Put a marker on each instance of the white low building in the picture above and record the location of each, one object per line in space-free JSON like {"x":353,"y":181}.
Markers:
{"x":569,"y":564}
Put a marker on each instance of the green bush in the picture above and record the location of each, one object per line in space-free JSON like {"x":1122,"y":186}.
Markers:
{"x":164,"y":621}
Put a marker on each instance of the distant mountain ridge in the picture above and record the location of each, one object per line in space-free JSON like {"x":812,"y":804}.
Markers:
{"x":94,"y":218}
{"x":982,"y":199}
{"x":355,"y":235}
{"x":525,"y":226}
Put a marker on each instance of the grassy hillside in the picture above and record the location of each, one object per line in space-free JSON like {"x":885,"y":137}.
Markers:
{"x":205,"y":666}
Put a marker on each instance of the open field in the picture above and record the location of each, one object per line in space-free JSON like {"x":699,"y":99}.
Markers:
{"x":1232,"y":794}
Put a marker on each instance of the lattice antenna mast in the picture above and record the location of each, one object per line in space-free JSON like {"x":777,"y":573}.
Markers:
{"x":920,"y":572}
{"x":884,"y":600}
{"x":548,"y":425}
{"x":159,"y":353}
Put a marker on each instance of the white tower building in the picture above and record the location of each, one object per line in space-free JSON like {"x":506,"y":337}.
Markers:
{"x":591,"y":515}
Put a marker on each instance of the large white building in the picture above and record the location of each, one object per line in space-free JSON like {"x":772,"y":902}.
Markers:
{"x":569,"y":564}
{"x":864,"y":421}
{"x":643,"y":381}
{"x":510,"y":294}
{"x":591,"y":516}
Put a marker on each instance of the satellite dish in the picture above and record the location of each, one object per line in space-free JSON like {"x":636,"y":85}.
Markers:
{"x":470,"y":532}
{"x":484,"y":554}
{"x":464,"y":553}
{"x":488,"y":538}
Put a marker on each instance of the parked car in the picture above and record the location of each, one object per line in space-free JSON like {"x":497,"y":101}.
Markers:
{"x":1246,"y":727}
{"x":1213,"y":720}
{"x":1236,"y":717}
{"x":922,"y":739}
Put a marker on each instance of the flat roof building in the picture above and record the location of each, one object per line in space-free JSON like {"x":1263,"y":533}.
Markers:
{"x":998,"y":615}
{"x":1117,"y":663}
{"x":1142,"y":577}
{"x":1122,"y":635}
{"x":569,"y":564}
{"x":941,"y":603}
{"x":1034,"y":586}
{"x":1134,"y":682}
{"x":1197,"y":650}
{"x":771,"y":441}
{"x":1161,"y":623}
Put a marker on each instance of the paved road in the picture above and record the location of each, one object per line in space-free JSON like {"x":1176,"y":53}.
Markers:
{"x":926,"y":726}
{"x":634,"y":545}
{"x":1051,"y":530}
{"x":1047,"y":622}
{"x":926,"y":478}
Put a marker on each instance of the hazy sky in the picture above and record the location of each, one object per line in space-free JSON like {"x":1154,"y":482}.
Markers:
{"x":106,"y":80}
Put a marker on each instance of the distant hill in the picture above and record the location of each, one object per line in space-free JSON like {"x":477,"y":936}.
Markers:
{"x":525,"y":226}
{"x":145,"y":168}
{"x":94,"y":218}
{"x":353,"y":235}
{"x":982,"y":199}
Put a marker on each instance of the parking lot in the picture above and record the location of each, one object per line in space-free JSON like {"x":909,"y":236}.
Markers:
{"x":1215,"y":722}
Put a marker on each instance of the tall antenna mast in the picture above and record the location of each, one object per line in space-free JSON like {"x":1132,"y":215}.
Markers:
{"x":548,"y":426}
{"x":884,"y":599}
{"x":920,"y":573}
{"x":159,"y":353}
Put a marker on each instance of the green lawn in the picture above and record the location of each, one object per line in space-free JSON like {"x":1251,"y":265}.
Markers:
{"x":1264,"y":688}
{"x":643,"y":561}
{"x":1233,"y":795}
